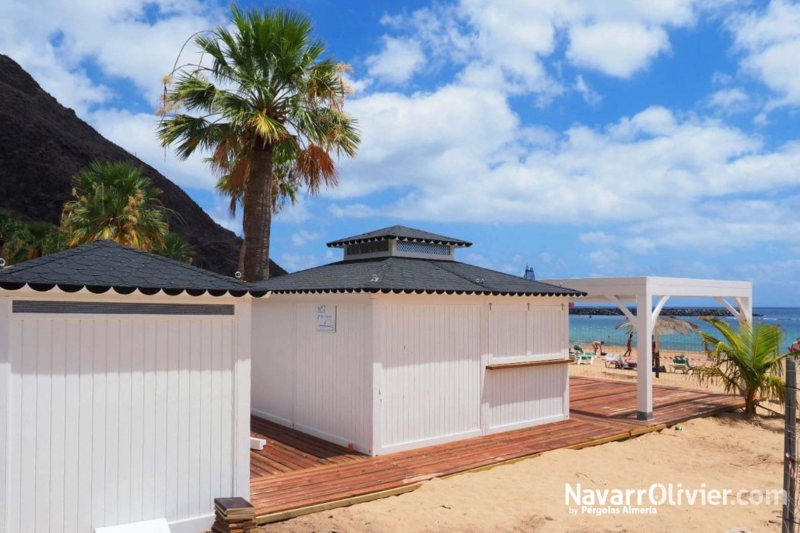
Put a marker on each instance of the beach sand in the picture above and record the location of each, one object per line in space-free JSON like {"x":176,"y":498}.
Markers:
{"x":728,"y":452}
{"x":668,"y":378}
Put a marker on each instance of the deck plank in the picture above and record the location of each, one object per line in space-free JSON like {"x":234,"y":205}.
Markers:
{"x":295,"y":471}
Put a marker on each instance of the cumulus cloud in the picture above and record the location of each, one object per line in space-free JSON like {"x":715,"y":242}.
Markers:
{"x":616,"y":49}
{"x":506,"y":43}
{"x":55,"y":40}
{"x":399,"y":60}
{"x":653,"y":168}
{"x":137,"y":133}
{"x":303,"y":237}
{"x":770,"y":41}
{"x":589,"y":95}
{"x":729,"y":100}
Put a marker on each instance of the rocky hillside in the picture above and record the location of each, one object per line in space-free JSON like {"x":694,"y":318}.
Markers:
{"x":42,"y":144}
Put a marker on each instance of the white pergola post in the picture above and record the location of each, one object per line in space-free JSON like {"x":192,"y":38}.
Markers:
{"x":644,"y":355}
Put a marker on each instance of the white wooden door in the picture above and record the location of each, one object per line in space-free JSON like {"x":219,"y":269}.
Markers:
{"x":517,"y":397}
{"x":431,"y":374}
{"x":118,"y":419}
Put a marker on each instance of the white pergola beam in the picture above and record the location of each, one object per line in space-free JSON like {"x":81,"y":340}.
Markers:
{"x":625,"y":311}
{"x":659,"y":307}
{"x":735,"y":312}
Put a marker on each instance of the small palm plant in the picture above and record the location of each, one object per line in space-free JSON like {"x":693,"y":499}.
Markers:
{"x":11,"y":231}
{"x":176,"y":248}
{"x":115,"y":202}
{"x":747,"y":361}
{"x":40,"y":238}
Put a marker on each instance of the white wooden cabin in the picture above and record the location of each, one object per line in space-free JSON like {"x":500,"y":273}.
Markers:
{"x":399,"y":346}
{"x":124,"y":391}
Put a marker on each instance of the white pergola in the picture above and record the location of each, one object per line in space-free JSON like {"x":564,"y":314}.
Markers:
{"x":736,"y":296}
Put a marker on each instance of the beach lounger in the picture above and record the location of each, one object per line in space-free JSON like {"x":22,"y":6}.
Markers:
{"x":681,"y":364}
{"x":584,"y":359}
{"x":613,"y":360}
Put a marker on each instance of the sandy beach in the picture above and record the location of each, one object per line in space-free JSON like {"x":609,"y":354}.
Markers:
{"x":730,"y":452}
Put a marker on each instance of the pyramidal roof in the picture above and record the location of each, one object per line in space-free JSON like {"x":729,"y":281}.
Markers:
{"x":104,"y":265}
{"x":409,"y":275}
{"x":402,"y":233}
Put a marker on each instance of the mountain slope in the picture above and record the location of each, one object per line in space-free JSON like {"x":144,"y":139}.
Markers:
{"x":43,"y":144}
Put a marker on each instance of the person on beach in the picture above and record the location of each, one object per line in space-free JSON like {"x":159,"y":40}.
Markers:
{"x":628,"y":346}
{"x":597,"y":346}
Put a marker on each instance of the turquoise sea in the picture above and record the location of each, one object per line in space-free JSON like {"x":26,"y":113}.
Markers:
{"x":585,"y":329}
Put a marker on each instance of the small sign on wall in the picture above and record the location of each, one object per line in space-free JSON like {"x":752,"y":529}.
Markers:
{"x":326,"y":318}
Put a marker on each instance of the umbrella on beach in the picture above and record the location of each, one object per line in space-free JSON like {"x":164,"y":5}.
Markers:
{"x":666,"y":325}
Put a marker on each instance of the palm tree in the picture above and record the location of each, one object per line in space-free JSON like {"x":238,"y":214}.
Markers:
{"x":233,"y":184}
{"x":176,"y":248}
{"x":746,"y":362}
{"x":114,"y":201}
{"x":11,"y":229}
{"x":264,"y":95}
{"x":40,"y":238}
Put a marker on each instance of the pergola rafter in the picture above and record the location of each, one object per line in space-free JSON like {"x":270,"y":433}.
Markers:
{"x":641,"y":291}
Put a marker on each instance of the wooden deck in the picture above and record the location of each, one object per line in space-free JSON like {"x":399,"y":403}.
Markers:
{"x":297,"y":474}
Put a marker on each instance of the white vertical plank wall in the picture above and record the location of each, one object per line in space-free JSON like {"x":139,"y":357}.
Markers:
{"x":107,"y":420}
{"x":274,"y":334}
{"x":431,"y":372}
{"x":5,"y":396}
{"x":312,"y":380}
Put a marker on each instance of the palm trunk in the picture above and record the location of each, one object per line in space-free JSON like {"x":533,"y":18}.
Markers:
{"x":258,"y":214}
{"x":243,"y":248}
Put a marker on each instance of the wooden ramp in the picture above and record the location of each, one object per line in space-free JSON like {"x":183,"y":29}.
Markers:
{"x":297,"y":474}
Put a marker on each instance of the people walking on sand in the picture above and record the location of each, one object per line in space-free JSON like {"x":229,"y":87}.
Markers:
{"x":628,"y":346}
{"x":597,"y":346}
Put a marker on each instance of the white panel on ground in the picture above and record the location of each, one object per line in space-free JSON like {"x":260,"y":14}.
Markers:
{"x":148,"y":526}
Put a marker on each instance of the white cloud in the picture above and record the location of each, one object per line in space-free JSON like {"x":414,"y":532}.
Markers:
{"x":654,"y":170}
{"x":504,"y":43}
{"x":136,"y":132}
{"x":303,"y":237}
{"x":293,"y":262}
{"x":616,"y":49}
{"x":399,"y":60}
{"x":53,"y":40}
{"x":590,"y":96}
{"x":597,"y":238}
{"x":729,"y":100}
{"x":295,"y":214}
{"x":604,"y":261}
{"x":770,"y":41}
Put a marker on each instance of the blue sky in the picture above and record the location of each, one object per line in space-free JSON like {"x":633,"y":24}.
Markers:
{"x":582,"y":138}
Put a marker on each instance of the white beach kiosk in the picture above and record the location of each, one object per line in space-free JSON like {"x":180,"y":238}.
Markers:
{"x":400,"y":346}
{"x":124,"y":391}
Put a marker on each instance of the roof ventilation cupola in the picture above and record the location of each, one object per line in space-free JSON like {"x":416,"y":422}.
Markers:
{"x":399,"y":241}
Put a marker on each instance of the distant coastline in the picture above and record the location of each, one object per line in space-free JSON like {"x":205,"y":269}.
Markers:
{"x":667,"y":311}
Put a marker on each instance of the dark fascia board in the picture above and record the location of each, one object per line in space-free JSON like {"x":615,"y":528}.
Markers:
{"x":343,"y":243}
{"x":127,"y":290}
{"x":576,"y":294}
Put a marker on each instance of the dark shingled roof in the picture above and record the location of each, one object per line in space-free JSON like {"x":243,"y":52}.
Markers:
{"x":105,"y":265}
{"x":399,"y":232}
{"x":400,"y":274}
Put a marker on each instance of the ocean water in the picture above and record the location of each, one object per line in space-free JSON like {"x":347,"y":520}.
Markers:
{"x":585,"y":329}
